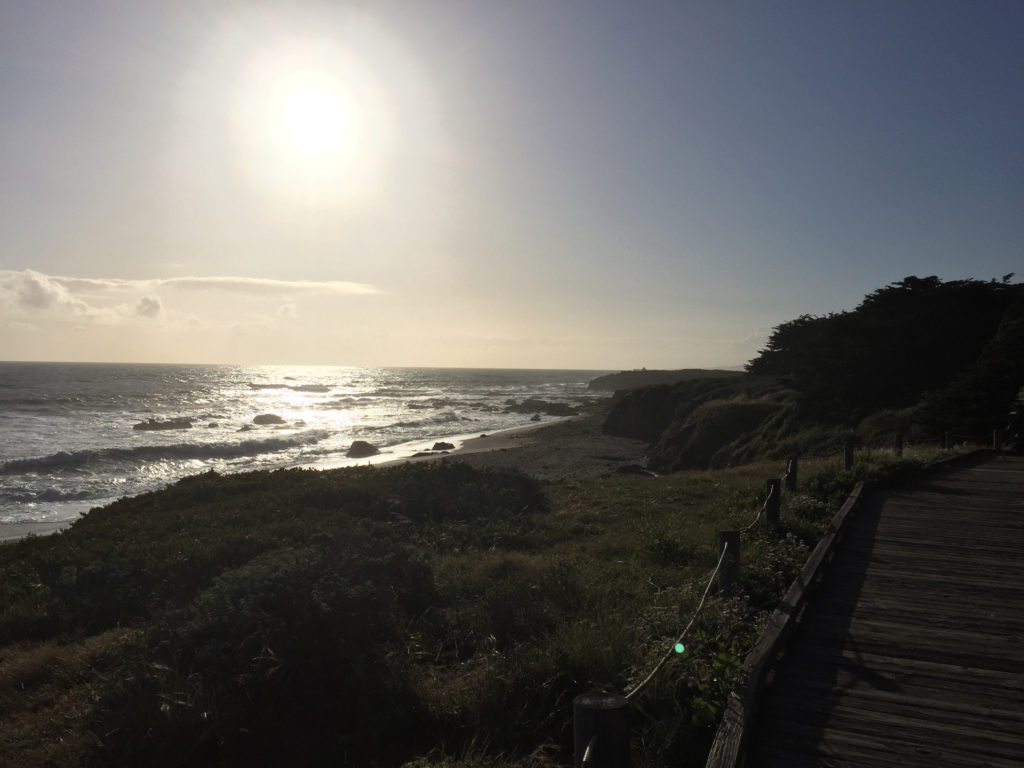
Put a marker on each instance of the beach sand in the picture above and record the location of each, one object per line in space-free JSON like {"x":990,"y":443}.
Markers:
{"x":14,"y":531}
{"x":568,"y":448}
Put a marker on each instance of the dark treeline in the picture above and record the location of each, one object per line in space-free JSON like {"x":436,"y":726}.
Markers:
{"x":955,"y":348}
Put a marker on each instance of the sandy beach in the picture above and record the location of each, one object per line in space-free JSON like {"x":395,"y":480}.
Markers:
{"x":15,"y":531}
{"x":569,"y":448}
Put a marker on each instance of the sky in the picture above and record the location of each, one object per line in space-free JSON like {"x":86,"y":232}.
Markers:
{"x":531,"y":184}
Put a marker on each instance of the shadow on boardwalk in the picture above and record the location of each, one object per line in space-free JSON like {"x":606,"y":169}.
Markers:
{"x":913,"y":651}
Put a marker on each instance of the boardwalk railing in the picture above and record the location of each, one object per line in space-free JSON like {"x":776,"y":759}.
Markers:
{"x":734,"y":731}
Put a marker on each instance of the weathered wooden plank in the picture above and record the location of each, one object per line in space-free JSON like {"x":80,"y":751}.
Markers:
{"x":947,"y":735}
{"x":894,"y":665}
{"x":994,"y":692}
{"x":926,"y":648}
{"x":989,"y":583}
{"x":973,"y":691}
{"x":934,"y":608}
{"x":884,"y":746}
{"x":1002,"y":725}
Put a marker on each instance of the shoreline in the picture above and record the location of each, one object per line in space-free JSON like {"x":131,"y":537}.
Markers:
{"x":571,"y":447}
{"x":16,"y":531}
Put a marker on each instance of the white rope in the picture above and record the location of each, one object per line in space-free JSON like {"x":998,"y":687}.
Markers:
{"x":760,"y":511}
{"x":696,"y":613}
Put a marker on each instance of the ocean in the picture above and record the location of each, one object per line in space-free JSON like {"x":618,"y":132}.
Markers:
{"x":68,"y":440}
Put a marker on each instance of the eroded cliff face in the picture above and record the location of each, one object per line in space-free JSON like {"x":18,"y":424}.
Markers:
{"x":642,"y":414}
{"x":701,"y":423}
{"x":716,"y":434}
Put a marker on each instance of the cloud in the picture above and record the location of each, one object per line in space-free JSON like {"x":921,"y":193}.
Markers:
{"x":29,"y":293}
{"x":149,"y":306}
{"x":265,"y":286}
{"x":32,"y":290}
{"x":39,"y":286}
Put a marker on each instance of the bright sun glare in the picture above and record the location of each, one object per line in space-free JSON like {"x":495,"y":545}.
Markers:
{"x":315,"y":122}
{"x":314,"y":119}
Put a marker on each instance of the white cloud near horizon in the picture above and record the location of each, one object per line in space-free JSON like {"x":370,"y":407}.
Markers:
{"x":30,"y":292}
{"x":23,"y":280}
{"x":31,"y":297}
{"x":205,"y":319}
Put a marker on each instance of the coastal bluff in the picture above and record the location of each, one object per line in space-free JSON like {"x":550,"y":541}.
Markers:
{"x":644,"y":378}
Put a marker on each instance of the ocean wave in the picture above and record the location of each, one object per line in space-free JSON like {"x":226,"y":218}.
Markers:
{"x":448,"y":417}
{"x":400,"y":392}
{"x":292,"y":387}
{"x":149,"y":453}
{"x":345,"y":401}
{"x":10,"y":402}
{"x":49,"y":495}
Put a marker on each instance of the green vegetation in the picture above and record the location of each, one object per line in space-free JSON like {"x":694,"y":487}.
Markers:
{"x":920,"y":357}
{"x":422,"y":615}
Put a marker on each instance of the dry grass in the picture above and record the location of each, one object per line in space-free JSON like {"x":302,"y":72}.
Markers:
{"x":47,"y":694}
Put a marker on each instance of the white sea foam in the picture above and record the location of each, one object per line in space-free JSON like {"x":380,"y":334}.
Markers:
{"x":67,"y":443}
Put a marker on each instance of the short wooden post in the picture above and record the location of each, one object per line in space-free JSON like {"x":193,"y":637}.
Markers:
{"x":729,"y":573}
{"x":600,"y":731}
{"x":791,"y":471}
{"x":848,"y":454}
{"x":897,"y":445}
{"x":773,"y":491}
{"x":997,"y":439}
{"x":949,"y":441}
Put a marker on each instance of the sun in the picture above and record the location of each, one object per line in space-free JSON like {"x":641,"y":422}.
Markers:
{"x":315,"y":124}
{"x":314,"y":119}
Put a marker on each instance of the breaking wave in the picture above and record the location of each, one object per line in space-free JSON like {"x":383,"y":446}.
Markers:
{"x":73,"y":460}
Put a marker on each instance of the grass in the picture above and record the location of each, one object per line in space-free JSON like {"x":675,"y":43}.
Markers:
{"x":427,"y":615}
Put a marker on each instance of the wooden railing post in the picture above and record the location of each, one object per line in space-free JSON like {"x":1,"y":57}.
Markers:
{"x":773,"y":489}
{"x":600,"y":731}
{"x":791,"y":472}
{"x":897,"y":445}
{"x":729,"y":573}
{"x":997,"y":439}
{"x":848,"y":454}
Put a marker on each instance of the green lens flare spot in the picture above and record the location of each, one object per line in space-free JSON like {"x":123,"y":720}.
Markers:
{"x":680,"y":647}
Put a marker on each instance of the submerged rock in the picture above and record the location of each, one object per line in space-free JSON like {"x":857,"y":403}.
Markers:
{"x":360,"y":449}
{"x":534,"y":405}
{"x":268,"y":418}
{"x":153,"y":424}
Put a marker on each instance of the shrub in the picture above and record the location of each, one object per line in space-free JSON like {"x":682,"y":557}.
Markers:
{"x":284,"y":656}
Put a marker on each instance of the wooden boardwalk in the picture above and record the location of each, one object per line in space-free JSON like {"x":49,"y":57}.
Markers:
{"x":912,"y":653}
